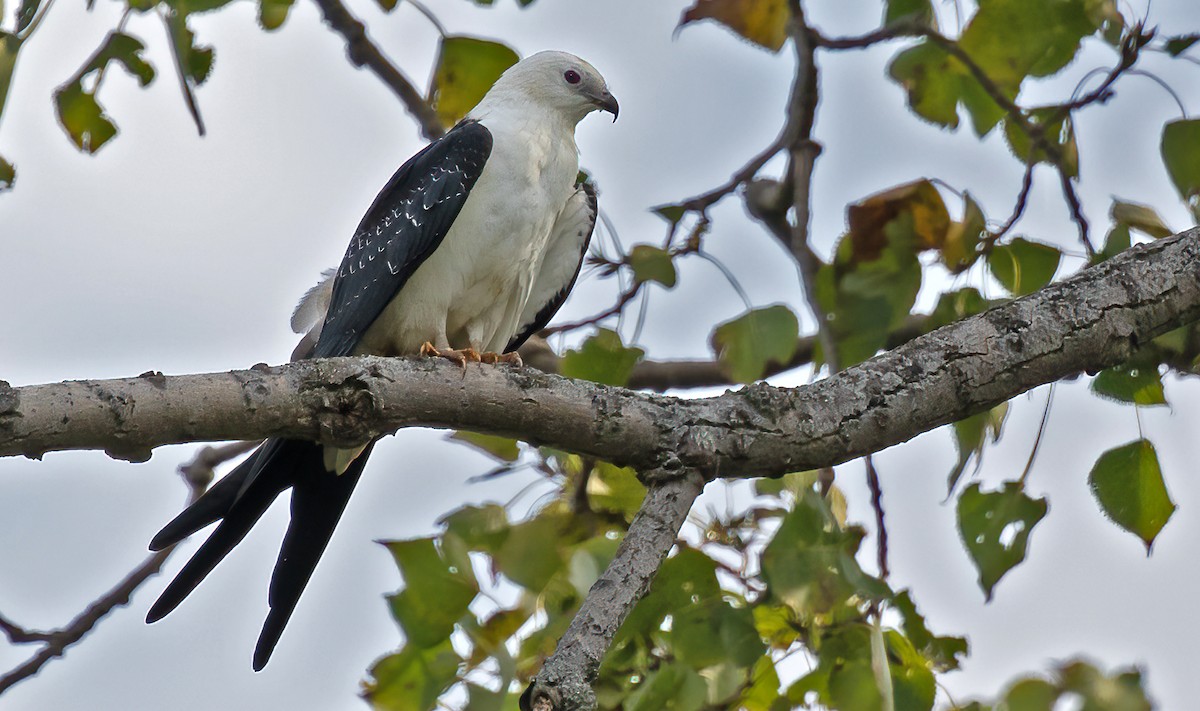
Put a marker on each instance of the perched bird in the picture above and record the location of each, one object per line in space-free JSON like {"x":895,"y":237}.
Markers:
{"x":468,"y":250}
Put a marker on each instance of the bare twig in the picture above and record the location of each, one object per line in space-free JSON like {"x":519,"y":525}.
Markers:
{"x":58,"y":641}
{"x":1037,"y":442}
{"x":877,"y":505}
{"x":364,"y":53}
{"x":1019,"y":208}
{"x":189,"y":96}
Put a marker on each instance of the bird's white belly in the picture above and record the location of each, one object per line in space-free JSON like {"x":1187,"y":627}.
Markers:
{"x":471,"y":291}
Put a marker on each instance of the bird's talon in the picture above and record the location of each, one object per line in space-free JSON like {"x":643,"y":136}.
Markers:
{"x":513,"y":358}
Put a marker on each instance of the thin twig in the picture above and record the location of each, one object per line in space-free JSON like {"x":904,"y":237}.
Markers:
{"x":185,"y":88}
{"x":877,"y":505}
{"x":1037,"y":442}
{"x":364,"y":53}
{"x":1019,"y":208}
{"x":58,"y":641}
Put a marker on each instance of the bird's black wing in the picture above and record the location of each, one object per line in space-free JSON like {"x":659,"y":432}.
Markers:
{"x":405,"y":224}
{"x":560,"y":268}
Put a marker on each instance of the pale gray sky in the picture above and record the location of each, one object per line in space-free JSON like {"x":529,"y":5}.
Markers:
{"x":180,"y":254}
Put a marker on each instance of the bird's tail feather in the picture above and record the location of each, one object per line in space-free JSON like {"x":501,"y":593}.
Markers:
{"x":239,"y":501}
{"x":211,"y":507}
{"x":318,"y":500}
{"x":242,"y":514}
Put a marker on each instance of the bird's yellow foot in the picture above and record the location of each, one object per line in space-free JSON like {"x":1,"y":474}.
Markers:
{"x":460,"y":357}
{"x":513,"y":358}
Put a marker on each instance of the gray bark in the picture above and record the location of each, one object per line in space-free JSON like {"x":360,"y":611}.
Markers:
{"x":1093,"y":320}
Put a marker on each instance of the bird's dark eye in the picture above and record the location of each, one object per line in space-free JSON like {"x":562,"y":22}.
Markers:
{"x":571,"y":76}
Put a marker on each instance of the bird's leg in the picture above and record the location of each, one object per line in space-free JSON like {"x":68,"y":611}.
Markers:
{"x":460,"y":357}
{"x":513,"y":358}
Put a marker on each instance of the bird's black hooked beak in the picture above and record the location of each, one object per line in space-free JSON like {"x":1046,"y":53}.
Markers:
{"x":607,"y":102}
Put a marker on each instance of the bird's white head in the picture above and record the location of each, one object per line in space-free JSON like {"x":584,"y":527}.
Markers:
{"x":556,"y":81}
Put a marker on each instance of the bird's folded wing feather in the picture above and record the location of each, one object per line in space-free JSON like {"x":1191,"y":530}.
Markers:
{"x":568,"y":245}
{"x":405,"y":224}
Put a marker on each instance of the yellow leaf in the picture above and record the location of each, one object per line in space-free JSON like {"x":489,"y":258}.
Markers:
{"x":763,"y":22}
{"x":466,"y":68}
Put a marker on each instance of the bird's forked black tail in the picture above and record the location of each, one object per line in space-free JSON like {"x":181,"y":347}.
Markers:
{"x":238,"y":500}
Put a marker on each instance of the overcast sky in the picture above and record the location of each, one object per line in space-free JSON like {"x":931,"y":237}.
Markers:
{"x":175,"y":253}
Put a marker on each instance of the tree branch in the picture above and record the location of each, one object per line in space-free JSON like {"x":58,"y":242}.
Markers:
{"x":565,"y":681}
{"x":1093,"y":320}
{"x":365,"y":53}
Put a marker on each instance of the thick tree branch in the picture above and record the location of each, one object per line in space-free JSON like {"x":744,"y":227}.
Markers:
{"x":565,"y":681}
{"x":1091,"y":321}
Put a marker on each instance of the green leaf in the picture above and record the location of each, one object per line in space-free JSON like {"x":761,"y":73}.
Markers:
{"x":932,"y":82}
{"x":195,"y":60}
{"x":795,"y":483}
{"x":1013,"y":39}
{"x":686,"y":578}
{"x":78,"y":111}
{"x":8,"y":175}
{"x":480,"y":528}
{"x":1022,"y":266}
{"x":672,"y":687}
{"x":712,"y":633}
{"x":749,"y":343}
{"x":481,"y":699}
{"x":962,"y":238}
{"x":1140,"y":217}
{"x":505,"y":449}
{"x":1122,"y":691}
{"x":602,"y":358}
{"x":912,"y":679}
{"x":127,"y":51}
{"x":671,"y":213}
{"x":763,"y":690}
{"x":1181,"y":153}
{"x":615,"y":489}
{"x":1118,"y":241}
{"x":9,"y":45}
{"x":652,"y":264}
{"x":995,"y":527}
{"x":1139,"y":384}
{"x":942,"y":652}
{"x":872,"y":284}
{"x":810,"y":563}
{"x":763,"y":22}
{"x":1032,"y":695}
{"x":412,"y":678}
{"x":532,"y":553}
{"x":919,"y":11}
{"x":956,"y":305}
{"x":1128,"y":484}
{"x":82,"y":118}
{"x":435,"y":595}
{"x":466,"y":68}
{"x":1176,"y":46}
{"x":272,"y":13}
{"x":971,"y":435}
{"x":1058,"y":131}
